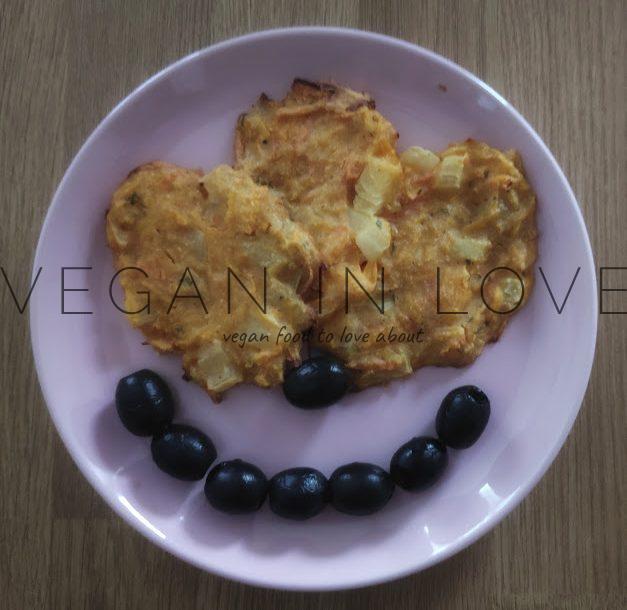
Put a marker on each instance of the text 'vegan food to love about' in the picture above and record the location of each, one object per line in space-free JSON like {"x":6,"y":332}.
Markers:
{"x":420,"y":257}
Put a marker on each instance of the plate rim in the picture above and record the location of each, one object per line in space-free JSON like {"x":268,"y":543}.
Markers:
{"x":353,"y":581}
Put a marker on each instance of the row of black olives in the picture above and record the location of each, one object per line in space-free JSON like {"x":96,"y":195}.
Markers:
{"x":146,"y":408}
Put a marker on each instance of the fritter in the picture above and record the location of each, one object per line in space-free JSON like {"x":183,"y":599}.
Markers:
{"x":389,"y":262}
{"x":196,"y":241}
{"x":464,"y":241}
{"x":312,"y":147}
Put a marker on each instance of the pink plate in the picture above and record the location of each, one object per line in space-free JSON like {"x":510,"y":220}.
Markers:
{"x":536,"y":375}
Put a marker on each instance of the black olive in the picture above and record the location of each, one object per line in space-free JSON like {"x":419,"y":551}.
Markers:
{"x":144,"y":403}
{"x":360,"y":489}
{"x":298,"y":493}
{"x":236,"y":487}
{"x":419,"y":463}
{"x":318,"y":382}
{"x":463,"y":416}
{"x":183,"y":452}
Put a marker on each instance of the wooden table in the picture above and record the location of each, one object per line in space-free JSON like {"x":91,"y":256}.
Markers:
{"x":64,"y":64}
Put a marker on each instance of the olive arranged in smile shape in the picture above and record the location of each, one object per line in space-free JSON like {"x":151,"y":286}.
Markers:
{"x":144,"y":403}
{"x":463,"y":416}
{"x":360,"y":488}
{"x":236,"y":487}
{"x":318,"y":382}
{"x":298,"y":493}
{"x":183,"y":452}
{"x":419,"y":463}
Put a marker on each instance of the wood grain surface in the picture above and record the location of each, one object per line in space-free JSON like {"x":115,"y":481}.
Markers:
{"x":64,"y":65}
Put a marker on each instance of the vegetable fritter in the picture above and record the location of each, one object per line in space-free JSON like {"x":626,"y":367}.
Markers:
{"x":466,"y":225}
{"x":193,"y":236}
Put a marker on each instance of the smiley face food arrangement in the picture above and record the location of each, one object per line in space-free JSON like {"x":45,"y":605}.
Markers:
{"x":146,"y":408}
{"x":321,"y":231}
